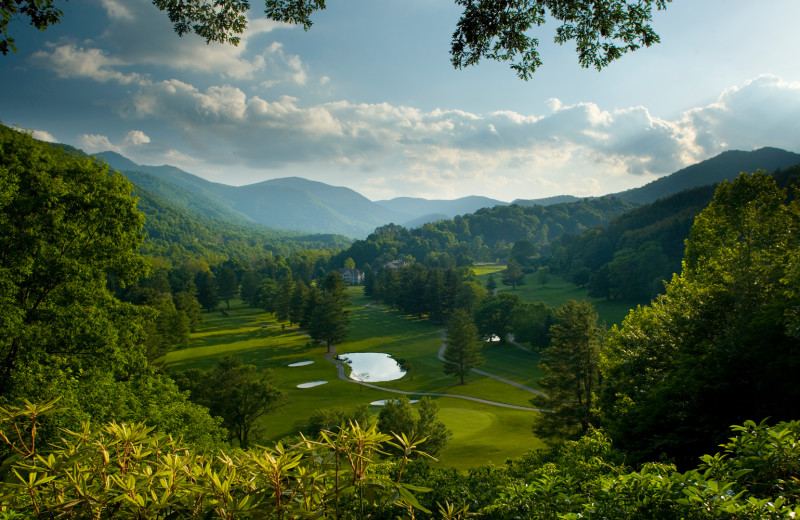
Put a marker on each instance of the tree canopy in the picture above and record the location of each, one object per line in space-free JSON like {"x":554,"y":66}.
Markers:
{"x":501,"y":30}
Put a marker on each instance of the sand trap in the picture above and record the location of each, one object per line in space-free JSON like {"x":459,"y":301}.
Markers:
{"x":301,"y":363}
{"x":311,"y":384}
{"x":383,"y":402}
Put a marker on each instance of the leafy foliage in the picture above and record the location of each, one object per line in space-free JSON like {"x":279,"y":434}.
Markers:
{"x":397,"y":416}
{"x":240,"y":394}
{"x":128,"y":471}
{"x":717,"y":346}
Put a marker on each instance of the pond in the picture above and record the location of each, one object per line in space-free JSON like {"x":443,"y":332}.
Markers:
{"x":372,"y":366}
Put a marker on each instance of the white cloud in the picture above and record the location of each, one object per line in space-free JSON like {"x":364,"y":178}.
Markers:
{"x":136,"y":137}
{"x":70,"y":61}
{"x":44,"y":135}
{"x":594,"y":151}
{"x":93,"y":143}
{"x":117,"y":10}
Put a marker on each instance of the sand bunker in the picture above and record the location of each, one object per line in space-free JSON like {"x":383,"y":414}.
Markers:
{"x":301,"y":363}
{"x":311,"y":384}
{"x":383,"y":402}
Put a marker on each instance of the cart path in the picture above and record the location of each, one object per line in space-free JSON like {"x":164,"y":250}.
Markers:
{"x":487,"y":374}
{"x":331,"y":356}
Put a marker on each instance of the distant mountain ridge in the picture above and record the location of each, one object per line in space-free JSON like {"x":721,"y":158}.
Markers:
{"x":420,"y":208}
{"x":725,"y":166}
{"x":298,"y":204}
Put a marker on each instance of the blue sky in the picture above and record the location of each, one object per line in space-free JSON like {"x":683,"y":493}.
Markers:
{"x":368,"y":99}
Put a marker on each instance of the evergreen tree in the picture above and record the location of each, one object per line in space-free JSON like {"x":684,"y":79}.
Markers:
{"x":571,"y":365}
{"x":329,"y":319}
{"x":491,"y":284}
{"x":513,"y":275}
{"x":251,"y":281}
{"x":207,"y":293}
{"x":284,"y":304}
{"x":227,"y":286}
{"x":462,"y":351}
{"x":297,"y":303}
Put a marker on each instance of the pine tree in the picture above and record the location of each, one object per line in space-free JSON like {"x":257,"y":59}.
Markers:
{"x":329,"y":319}
{"x":572,"y":372}
{"x":461,"y":353}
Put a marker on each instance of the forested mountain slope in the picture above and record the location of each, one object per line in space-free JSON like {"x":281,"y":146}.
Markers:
{"x":290,"y":203}
{"x":725,"y":166}
{"x":639,"y":250}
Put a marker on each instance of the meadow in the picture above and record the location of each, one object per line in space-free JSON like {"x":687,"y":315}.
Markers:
{"x":556,"y":292}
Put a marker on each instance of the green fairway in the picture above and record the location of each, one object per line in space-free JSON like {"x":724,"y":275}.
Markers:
{"x":556,"y":292}
{"x":498,"y":433}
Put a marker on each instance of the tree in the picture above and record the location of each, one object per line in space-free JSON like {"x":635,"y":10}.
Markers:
{"x":571,"y":365}
{"x":329,"y":319}
{"x":513,"y":275}
{"x":494,"y":315}
{"x":462,"y":351}
{"x":717,"y":347}
{"x":248,"y":290}
{"x":487,"y":29}
{"x":66,"y":223}
{"x":543,"y":275}
{"x":207,"y":293}
{"x":284,"y":302}
{"x":531,"y":322}
{"x":491,"y":284}
{"x":227,"y":285}
{"x":297,"y":303}
{"x":238,"y":393}
{"x":397,"y":416}
{"x":335,"y":418}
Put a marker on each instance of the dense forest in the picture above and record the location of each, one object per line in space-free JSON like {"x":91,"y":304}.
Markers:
{"x":93,"y":296}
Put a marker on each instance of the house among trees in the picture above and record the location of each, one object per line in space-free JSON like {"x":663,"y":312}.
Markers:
{"x":395,"y":264}
{"x":352,"y":276}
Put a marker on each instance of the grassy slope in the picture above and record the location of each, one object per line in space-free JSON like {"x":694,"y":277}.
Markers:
{"x":482,"y":433}
{"x":556,"y":292}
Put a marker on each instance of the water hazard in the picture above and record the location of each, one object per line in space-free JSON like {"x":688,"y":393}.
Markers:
{"x":372,"y":367}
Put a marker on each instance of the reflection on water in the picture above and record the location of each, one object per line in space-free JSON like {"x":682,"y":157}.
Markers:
{"x":372,"y":366}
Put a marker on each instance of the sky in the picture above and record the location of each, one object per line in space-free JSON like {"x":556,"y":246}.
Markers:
{"x":368,"y":99}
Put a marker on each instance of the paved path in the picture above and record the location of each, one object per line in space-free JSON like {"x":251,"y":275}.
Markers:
{"x":331,"y":356}
{"x":487,"y":374}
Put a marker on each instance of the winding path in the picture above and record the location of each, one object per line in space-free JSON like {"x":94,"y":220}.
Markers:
{"x":331,"y":356}
{"x":487,"y":374}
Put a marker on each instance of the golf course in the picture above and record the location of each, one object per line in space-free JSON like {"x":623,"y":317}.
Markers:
{"x":490,"y":418}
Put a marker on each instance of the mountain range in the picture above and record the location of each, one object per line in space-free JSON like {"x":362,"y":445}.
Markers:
{"x":299,"y":204}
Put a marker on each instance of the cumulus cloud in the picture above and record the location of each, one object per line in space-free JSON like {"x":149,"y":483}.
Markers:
{"x":94,"y":143}
{"x":71,"y":61}
{"x":44,"y":135}
{"x":162,"y":48}
{"x":581,"y":146}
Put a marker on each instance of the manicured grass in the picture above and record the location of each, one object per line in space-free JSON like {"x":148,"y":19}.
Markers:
{"x":484,"y":270}
{"x":482,"y":432}
{"x":557,"y":291}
